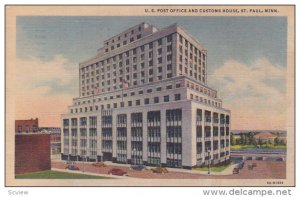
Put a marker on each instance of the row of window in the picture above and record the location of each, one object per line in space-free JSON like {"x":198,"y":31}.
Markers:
{"x":93,"y":73}
{"x":139,"y":92}
{"x":133,"y":51}
{"x":95,"y":89}
{"x":137,"y":102}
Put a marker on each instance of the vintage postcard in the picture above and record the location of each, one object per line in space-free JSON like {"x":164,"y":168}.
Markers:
{"x":150,"y":95}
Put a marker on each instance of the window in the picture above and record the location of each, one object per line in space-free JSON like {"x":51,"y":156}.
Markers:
{"x":169,"y":87}
{"x":169,"y":48}
{"x":122,"y":104}
{"x":169,"y":57}
{"x":115,"y":105}
{"x":149,"y":90}
{"x":27,"y":129}
{"x":169,"y":38}
{"x":137,"y":102}
{"x":160,"y":69}
{"x":129,"y":103}
{"x":150,"y":45}
{"x":150,"y":71}
{"x":169,"y":75}
{"x":158,"y":89}
{"x":146,"y":101}
{"x":159,"y":60}
{"x":19,"y":129}
{"x":177,"y":97}
{"x":178,"y":85}
{"x":139,"y":36}
{"x":132,"y":93}
{"x":141,"y":92}
{"x":159,"y":51}
{"x":169,"y":67}
{"x":150,"y":63}
{"x":156,"y":99}
{"x":159,"y":42}
{"x":166,"y":98}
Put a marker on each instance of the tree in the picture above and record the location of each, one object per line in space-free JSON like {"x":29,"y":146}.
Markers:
{"x":232,"y":140}
{"x":260,"y":142}
{"x":276,"y":141}
{"x":242,"y":139}
{"x":282,"y":142}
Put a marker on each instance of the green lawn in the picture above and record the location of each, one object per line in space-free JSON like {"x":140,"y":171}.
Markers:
{"x":49,"y":174}
{"x":242,"y":146}
{"x":213,"y":169}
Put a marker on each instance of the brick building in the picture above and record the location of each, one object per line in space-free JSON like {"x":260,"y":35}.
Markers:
{"x":32,"y":152}
{"x":27,"y":126}
{"x":55,"y":138}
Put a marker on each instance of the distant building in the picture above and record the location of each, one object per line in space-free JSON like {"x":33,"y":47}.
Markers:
{"x":32,"y":152}
{"x":26,"y":126}
{"x":265,"y":137}
{"x":55,"y":138}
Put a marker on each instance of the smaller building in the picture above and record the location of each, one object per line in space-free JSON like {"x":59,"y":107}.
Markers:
{"x":32,"y":152}
{"x":55,"y":138}
{"x":26,"y":126}
{"x":265,"y":137}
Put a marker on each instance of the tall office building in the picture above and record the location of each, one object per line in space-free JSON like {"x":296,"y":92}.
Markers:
{"x":144,"y":99}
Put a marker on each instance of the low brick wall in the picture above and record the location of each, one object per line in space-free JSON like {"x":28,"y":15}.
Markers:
{"x":32,"y":153}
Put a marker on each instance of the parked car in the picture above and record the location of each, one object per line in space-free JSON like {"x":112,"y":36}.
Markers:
{"x":235,"y":171}
{"x":118,"y":172}
{"x":99,"y":164}
{"x":254,"y":164}
{"x":138,"y":167}
{"x":159,"y":170}
{"x":72,"y":167}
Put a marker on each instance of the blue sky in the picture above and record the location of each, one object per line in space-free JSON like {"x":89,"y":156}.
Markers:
{"x":246,"y":42}
{"x":78,"y":38}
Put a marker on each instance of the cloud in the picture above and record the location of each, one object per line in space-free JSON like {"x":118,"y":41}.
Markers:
{"x":35,"y":90}
{"x":253,"y":93}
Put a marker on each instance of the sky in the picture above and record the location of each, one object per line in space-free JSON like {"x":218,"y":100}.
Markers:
{"x":247,"y":62}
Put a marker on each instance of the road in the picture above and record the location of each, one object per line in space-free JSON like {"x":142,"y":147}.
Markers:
{"x":264,"y":170}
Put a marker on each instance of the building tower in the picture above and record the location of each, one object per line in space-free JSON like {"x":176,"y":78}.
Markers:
{"x":144,"y":99}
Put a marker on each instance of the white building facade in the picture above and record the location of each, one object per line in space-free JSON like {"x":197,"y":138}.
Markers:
{"x":167,"y":116}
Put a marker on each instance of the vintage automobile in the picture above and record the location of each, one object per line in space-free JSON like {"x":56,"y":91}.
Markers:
{"x":159,"y":170}
{"x":235,"y":171}
{"x":118,"y":172}
{"x":99,"y":164}
{"x":72,"y":167}
{"x":138,"y":167}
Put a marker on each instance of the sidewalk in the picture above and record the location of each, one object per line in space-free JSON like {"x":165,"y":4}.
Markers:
{"x":93,"y":174}
{"x":227,"y":171}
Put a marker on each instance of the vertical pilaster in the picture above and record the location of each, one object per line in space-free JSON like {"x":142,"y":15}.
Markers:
{"x":163,"y":137}
{"x":145,"y":136}
{"x":114,"y":135}
{"x":128,"y":136}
